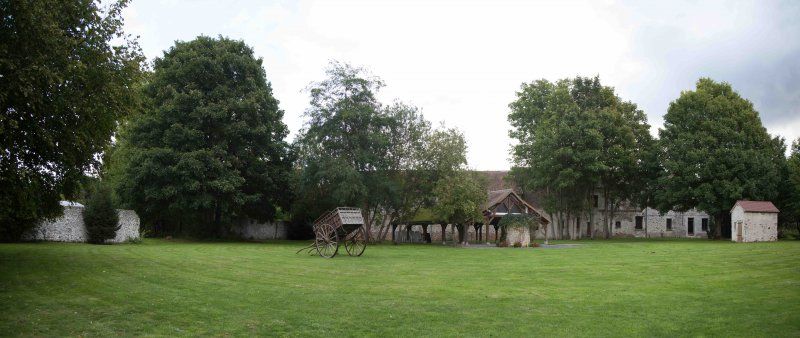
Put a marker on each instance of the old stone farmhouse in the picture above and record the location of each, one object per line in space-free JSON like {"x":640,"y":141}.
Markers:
{"x":754,"y":221}
{"x":627,"y":221}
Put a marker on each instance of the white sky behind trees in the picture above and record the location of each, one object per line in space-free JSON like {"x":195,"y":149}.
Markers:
{"x":461,"y":62}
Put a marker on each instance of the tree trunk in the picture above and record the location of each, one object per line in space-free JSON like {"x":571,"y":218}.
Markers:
{"x":444,"y":233}
{"x":606,"y":219}
{"x":719,"y":219}
{"x":611,"y":214}
{"x":367,"y":223}
{"x":546,"y":241}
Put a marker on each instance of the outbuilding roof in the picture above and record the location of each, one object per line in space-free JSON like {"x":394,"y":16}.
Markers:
{"x":757,"y":206}
{"x":497,"y":196}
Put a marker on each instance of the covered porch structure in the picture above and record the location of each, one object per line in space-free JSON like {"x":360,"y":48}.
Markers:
{"x":507,"y":202}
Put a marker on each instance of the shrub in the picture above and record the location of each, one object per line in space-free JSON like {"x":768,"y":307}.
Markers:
{"x":516,"y":221}
{"x":100,"y":216}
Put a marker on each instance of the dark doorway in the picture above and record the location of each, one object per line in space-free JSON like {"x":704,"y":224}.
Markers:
{"x":690,"y":225}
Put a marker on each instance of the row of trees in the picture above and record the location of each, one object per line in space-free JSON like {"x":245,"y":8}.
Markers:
{"x":207,"y":150}
{"x":577,"y":139}
{"x":199,"y":141}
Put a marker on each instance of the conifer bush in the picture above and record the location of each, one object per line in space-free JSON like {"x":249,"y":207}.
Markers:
{"x":99,"y":216}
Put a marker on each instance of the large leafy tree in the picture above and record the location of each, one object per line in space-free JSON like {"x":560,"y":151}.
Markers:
{"x":459,"y":200}
{"x":344,"y":145}
{"x":209,"y":148}
{"x":576,"y":136}
{"x":433,"y":155}
{"x":715,"y":151}
{"x":355,"y":151}
{"x":67,"y":72}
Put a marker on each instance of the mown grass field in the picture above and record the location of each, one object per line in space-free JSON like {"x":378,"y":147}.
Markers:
{"x":616,"y":288}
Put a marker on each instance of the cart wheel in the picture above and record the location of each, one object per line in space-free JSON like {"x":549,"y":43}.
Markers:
{"x":356,"y":243}
{"x":327,"y":241}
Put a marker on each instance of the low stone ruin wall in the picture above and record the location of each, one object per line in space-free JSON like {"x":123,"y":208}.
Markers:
{"x":254,"y":231}
{"x":517,"y":235}
{"x":70,"y":227}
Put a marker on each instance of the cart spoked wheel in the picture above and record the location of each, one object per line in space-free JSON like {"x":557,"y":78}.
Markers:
{"x":355,"y":243}
{"x":327,"y":241}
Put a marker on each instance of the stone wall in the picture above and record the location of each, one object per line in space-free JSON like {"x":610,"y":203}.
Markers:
{"x":653,"y":224}
{"x":516,"y":235}
{"x":255,"y":231}
{"x":70,"y":227}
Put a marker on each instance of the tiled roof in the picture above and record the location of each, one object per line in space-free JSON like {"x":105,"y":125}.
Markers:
{"x":497,"y":196}
{"x":757,"y":206}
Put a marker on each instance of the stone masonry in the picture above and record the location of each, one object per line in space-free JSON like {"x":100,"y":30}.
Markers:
{"x":70,"y":227}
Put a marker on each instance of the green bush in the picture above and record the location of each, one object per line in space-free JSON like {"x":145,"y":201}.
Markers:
{"x":100,"y":216}
{"x":517,"y":221}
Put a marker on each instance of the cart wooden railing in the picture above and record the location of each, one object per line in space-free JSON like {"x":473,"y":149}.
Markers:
{"x":336,"y":226}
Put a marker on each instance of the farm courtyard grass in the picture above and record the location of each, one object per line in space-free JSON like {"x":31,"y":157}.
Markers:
{"x":642,"y":288}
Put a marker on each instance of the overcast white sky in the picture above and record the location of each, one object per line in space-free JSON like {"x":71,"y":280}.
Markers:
{"x":462,"y":61}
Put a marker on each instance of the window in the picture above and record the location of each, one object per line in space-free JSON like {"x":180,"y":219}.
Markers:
{"x":617,"y":225}
{"x":639,"y":221}
{"x":595,"y":200}
{"x":669,"y":224}
{"x":704,"y":224}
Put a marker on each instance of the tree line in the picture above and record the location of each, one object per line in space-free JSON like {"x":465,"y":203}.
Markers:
{"x":195,"y":142}
{"x":577,"y":138}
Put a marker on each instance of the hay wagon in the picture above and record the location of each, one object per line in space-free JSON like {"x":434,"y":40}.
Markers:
{"x":340,"y":225}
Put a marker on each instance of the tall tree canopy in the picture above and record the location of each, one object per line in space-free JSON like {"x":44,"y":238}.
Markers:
{"x":791,"y":209}
{"x":344,"y":145}
{"x":576,"y":136}
{"x":209,"y":148}
{"x":355,"y":151}
{"x":67,"y":73}
{"x":715,"y":151}
{"x":459,"y":200}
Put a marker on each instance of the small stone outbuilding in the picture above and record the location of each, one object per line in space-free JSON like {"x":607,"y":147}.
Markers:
{"x":754,"y":221}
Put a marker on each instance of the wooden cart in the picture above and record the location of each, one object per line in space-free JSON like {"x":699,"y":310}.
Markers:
{"x":340,"y":225}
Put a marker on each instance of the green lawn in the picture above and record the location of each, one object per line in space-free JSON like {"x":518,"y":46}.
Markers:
{"x":655,"y":288}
